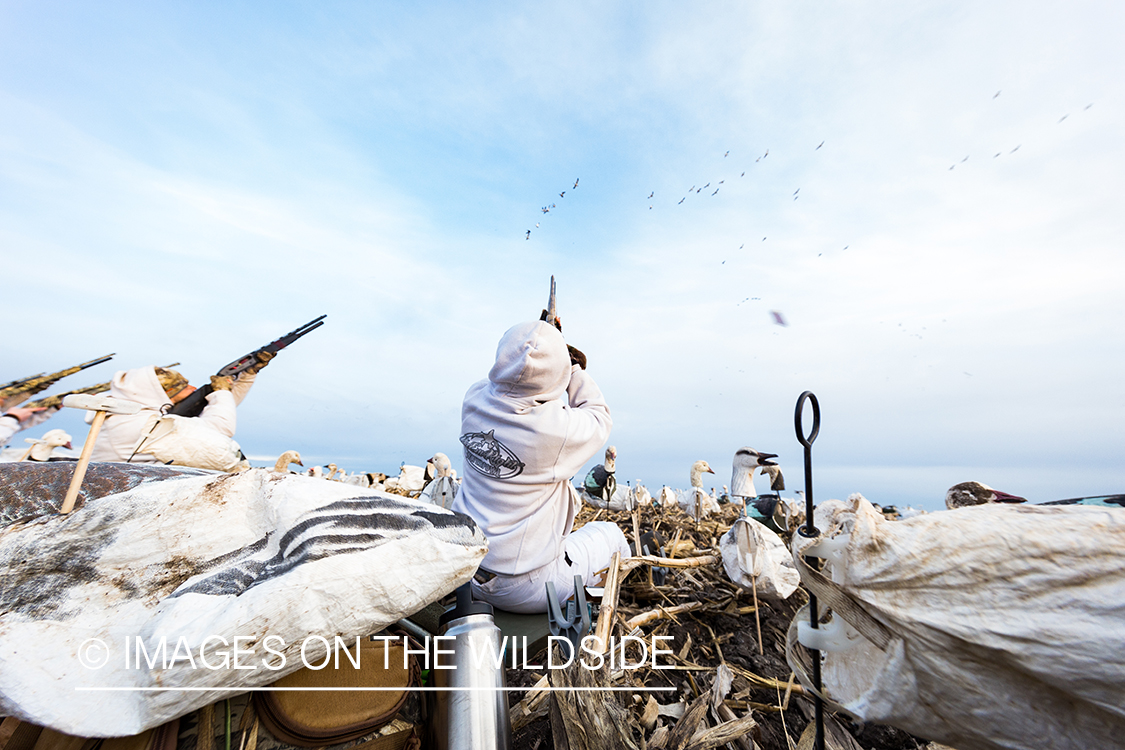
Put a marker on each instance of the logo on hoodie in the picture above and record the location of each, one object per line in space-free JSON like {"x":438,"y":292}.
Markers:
{"x":489,"y":456}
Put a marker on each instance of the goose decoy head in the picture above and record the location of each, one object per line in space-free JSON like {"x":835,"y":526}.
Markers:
{"x":286,"y":458}
{"x":749,"y":458}
{"x":977,"y":493}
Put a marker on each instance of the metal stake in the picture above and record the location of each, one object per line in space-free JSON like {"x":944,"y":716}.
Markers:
{"x":809,"y":530}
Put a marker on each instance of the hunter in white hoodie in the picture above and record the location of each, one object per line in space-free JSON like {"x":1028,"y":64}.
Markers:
{"x":526,"y":431}
{"x":204,"y":441}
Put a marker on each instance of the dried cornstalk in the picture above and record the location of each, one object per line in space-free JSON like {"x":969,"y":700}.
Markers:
{"x":533,"y":705}
{"x":667,"y":562}
{"x":726,"y":732}
{"x":609,"y":603}
{"x":660,"y":613}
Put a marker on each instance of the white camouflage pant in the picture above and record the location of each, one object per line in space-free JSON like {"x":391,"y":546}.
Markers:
{"x":589,"y":549}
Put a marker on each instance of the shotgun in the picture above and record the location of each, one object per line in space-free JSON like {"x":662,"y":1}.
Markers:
{"x":16,"y":392}
{"x":193,"y":405}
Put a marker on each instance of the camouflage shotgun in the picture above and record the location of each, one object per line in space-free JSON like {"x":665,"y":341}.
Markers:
{"x":55,"y":401}
{"x":16,"y":392}
{"x":192,"y":406}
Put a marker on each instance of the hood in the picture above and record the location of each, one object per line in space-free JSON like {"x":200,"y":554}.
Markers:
{"x":140,"y":385}
{"x":531,"y":362}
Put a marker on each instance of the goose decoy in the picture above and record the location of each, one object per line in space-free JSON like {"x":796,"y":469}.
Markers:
{"x":286,"y":458}
{"x":696,"y":502}
{"x":746,"y":462}
{"x":41,"y":448}
{"x":966,"y":494}
{"x":442,"y":489}
{"x":601,"y":482}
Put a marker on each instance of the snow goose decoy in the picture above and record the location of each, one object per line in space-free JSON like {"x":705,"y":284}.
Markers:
{"x":601,"y":482}
{"x":975,"y":493}
{"x":286,"y":458}
{"x":442,"y":489}
{"x":41,"y":448}
{"x":695,"y":501}
{"x":746,"y":462}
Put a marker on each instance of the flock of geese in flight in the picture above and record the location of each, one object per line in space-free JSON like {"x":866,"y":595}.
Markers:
{"x":696,"y":189}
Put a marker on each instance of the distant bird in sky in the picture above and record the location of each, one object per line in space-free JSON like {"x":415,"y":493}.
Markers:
{"x":996,"y":95}
{"x":575,"y":182}
{"x":705,"y":186}
{"x":742,"y":175}
{"x":846,"y":246}
{"x":1064,"y":117}
{"x":763,"y":239}
{"x":766,"y":154}
{"x":996,"y":154}
{"x":796,"y":191}
{"x":716,"y":192}
{"x":952,"y":167}
{"x":537,"y":225}
{"x":528,"y":237}
{"x":652,"y":194}
{"x":964,"y":160}
{"x":650,"y":208}
{"x":1014,"y":150}
{"x":682,"y":200}
{"x":726,"y":154}
{"x":818,"y":147}
{"x":1087,"y":106}
{"x":698,"y":190}
{"x":778,"y":318}
{"x":545,"y":209}
{"x":721,"y":181}
{"x":742,"y":246}
{"x":562,"y":194}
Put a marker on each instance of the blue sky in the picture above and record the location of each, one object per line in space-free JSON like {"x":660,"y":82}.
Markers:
{"x":184,"y":182}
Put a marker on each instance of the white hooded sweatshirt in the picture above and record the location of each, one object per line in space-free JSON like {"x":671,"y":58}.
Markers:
{"x":121,"y":434}
{"x":527,"y":430}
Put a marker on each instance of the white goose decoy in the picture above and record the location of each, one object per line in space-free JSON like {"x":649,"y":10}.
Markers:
{"x":286,"y":458}
{"x":975,"y":493}
{"x":667,"y":497}
{"x":41,"y":448}
{"x":695,"y":501}
{"x":409,"y":482}
{"x":442,"y":489}
{"x":641,"y":495}
{"x":746,"y":462}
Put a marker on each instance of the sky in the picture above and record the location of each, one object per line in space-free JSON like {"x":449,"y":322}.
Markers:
{"x":928,"y":195}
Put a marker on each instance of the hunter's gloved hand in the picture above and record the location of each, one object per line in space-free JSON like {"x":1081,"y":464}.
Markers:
{"x":576,"y":357}
{"x":220,"y":382}
{"x":557,"y":322}
{"x":263,"y":358}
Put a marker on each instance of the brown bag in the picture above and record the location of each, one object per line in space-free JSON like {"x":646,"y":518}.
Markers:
{"x":327,"y":717}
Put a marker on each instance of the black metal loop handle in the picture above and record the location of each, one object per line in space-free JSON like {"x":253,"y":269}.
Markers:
{"x":798,"y":422}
